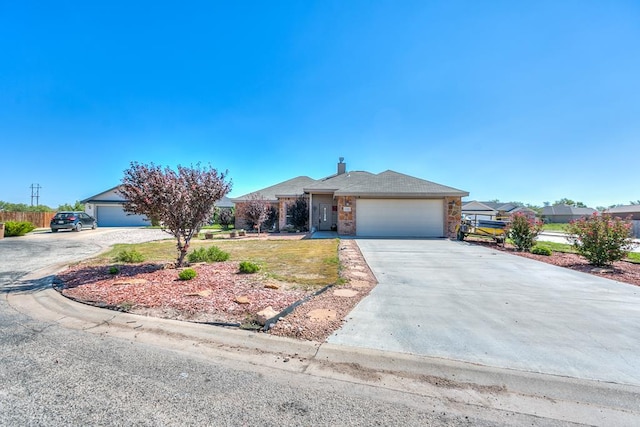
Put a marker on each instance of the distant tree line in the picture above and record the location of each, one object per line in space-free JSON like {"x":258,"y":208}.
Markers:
{"x":22,"y":207}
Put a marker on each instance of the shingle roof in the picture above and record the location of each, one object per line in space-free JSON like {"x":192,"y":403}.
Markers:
{"x":337,"y":182}
{"x":393,"y":184}
{"x":225,"y":202}
{"x":566,"y":210}
{"x":624,"y":209}
{"x":292,"y":187}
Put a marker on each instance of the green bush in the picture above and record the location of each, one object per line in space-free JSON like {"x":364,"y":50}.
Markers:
{"x":211,"y":254}
{"x":601,"y":239}
{"x":114,"y":270}
{"x":187,"y":274}
{"x":523,"y":231}
{"x":131,"y":256}
{"x":541,"y":250}
{"x":248,"y":267}
{"x":17,"y":228}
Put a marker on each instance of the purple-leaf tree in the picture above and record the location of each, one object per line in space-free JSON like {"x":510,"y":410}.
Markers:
{"x":181,"y":201}
{"x":254,"y":211}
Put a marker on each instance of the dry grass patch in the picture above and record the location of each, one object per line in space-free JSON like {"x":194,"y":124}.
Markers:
{"x":309,"y":263}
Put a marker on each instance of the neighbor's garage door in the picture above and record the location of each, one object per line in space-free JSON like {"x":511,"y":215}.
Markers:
{"x":400,"y":218}
{"x":114,"y":216}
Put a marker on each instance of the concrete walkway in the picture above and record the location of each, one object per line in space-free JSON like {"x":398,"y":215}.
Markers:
{"x":453,"y":300}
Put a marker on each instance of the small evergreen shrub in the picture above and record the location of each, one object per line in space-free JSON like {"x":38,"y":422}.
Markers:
{"x":211,"y":254}
{"x":114,"y":270}
{"x":541,"y":250}
{"x":187,"y":274}
{"x":17,"y":228}
{"x":248,"y":267}
{"x":524,"y":231}
{"x":130,"y":257}
{"x":601,"y":239}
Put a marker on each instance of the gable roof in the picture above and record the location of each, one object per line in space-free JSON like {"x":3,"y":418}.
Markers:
{"x":293,"y":187}
{"x":394,"y":184}
{"x":478,"y":208}
{"x":113,"y":196}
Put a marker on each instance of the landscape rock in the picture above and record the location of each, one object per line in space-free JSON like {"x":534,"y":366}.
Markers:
{"x":263,"y":316}
{"x":242,"y":300}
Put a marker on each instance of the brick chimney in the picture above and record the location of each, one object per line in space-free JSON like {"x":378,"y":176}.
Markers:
{"x":342,"y":166}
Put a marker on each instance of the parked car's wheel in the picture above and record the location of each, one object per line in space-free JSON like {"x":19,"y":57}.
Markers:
{"x":78,"y":227}
{"x":54,"y":230}
{"x":460,"y":235}
{"x":94,"y":225}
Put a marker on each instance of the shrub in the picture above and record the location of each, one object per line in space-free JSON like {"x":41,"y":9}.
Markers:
{"x":541,"y":250}
{"x":187,"y":274}
{"x":211,"y":254}
{"x":17,"y":228}
{"x":248,"y":267}
{"x":131,"y":256}
{"x":601,"y":240}
{"x":114,"y":270}
{"x":523,"y":231}
{"x":298,"y":213}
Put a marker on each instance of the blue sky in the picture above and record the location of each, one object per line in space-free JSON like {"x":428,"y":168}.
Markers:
{"x":526,"y":101}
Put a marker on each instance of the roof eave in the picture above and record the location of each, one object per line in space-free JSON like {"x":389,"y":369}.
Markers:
{"x":397,"y":195}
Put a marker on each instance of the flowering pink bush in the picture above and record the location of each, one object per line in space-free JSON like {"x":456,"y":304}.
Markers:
{"x":602,"y":240}
{"x":523,"y":231}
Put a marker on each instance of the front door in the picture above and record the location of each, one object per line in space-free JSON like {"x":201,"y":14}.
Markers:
{"x":324,"y":217}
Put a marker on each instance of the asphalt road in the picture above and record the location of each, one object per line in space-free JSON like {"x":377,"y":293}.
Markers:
{"x":54,"y":376}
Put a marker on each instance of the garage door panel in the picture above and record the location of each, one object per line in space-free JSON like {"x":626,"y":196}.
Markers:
{"x":114,"y":216}
{"x":400,"y":217}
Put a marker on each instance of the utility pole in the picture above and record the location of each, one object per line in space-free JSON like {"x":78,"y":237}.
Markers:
{"x":35,"y":193}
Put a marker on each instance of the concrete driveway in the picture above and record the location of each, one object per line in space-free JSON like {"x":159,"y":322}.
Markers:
{"x":457,"y":301}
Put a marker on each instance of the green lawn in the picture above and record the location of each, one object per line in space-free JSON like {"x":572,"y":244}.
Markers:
{"x":566,"y":248}
{"x":309,"y":263}
{"x":555,"y":227}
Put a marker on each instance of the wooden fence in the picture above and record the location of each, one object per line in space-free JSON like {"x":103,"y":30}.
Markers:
{"x":39,"y":219}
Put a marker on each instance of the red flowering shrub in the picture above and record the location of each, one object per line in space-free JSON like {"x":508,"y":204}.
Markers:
{"x":602,"y":240}
{"x":523,"y":231}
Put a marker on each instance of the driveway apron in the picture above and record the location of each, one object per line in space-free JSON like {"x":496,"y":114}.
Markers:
{"x":454,"y":300}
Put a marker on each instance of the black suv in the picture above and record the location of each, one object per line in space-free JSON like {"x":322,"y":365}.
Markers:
{"x":75,"y":221}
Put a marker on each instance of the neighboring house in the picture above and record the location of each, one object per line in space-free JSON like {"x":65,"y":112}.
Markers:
{"x":107,"y":208}
{"x":224,"y":203}
{"x":628,"y":212}
{"x":494,"y":210}
{"x":365,"y":204}
{"x":624,"y":212}
{"x":562,"y":214}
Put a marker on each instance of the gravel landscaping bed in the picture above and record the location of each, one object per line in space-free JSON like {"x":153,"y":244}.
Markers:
{"x":219,"y":293}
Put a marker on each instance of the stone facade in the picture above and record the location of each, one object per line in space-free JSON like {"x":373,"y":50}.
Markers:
{"x":453,"y":215}
{"x":347,"y":218}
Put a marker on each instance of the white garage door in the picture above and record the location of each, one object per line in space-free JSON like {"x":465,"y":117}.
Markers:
{"x":114,"y":216}
{"x":400,"y":218}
